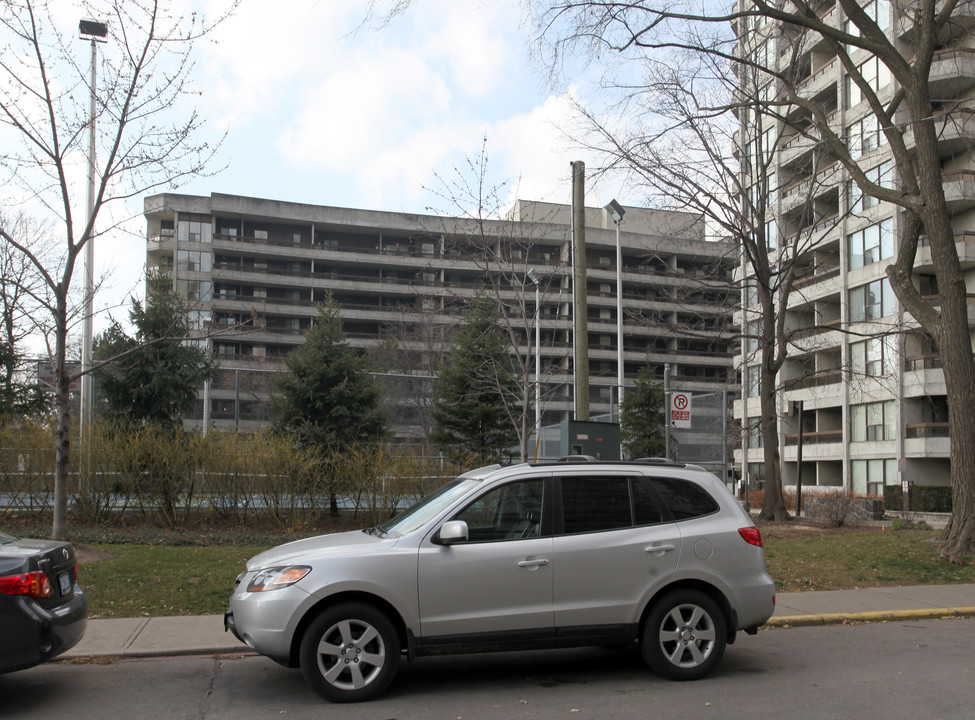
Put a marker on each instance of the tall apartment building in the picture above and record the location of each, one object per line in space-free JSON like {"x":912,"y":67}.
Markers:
{"x":871,"y":385}
{"x":254,"y":270}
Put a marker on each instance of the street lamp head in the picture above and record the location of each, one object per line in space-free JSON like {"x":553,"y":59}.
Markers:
{"x":92,"y":30}
{"x":615,"y":210}
{"x":534,"y":276}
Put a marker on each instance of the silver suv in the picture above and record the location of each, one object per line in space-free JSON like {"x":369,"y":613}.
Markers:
{"x":543,"y":555}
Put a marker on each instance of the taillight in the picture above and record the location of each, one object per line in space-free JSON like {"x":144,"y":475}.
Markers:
{"x":33,"y":585}
{"x":751,"y":535}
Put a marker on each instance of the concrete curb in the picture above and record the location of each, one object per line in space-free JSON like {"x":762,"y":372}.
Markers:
{"x":865,"y":617}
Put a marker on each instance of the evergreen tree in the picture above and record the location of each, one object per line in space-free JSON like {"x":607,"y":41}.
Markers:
{"x":152,"y":378}
{"x":327,"y":398}
{"x":642,"y":417}
{"x":476,"y":396}
{"x":17,"y":398}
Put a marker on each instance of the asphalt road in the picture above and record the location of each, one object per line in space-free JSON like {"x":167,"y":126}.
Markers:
{"x":916,"y":669}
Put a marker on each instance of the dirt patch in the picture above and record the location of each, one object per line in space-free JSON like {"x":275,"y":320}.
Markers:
{"x":86,"y":554}
{"x":809,"y":528}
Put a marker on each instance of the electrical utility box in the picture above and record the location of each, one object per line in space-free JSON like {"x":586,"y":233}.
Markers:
{"x":584,"y":437}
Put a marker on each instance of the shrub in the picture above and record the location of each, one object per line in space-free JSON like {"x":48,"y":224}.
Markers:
{"x":924,"y":498}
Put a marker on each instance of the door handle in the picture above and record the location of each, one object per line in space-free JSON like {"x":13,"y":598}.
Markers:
{"x":533,"y":563}
{"x":659,"y":550}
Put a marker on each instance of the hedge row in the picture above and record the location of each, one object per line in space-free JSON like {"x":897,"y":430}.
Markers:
{"x":923,"y":498}
{"x":177,"y":479}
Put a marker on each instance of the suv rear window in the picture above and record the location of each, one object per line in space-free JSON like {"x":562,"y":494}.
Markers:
{"x":592,"y":504}
{"x":685,"y":499}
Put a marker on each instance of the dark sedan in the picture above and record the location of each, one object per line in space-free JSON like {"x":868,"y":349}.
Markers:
{"x":43,"y":610}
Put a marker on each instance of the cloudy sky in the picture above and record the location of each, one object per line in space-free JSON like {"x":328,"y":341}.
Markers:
{"x":321,"y":109}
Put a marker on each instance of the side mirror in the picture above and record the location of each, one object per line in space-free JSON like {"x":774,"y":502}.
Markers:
{"x":452,"y":532}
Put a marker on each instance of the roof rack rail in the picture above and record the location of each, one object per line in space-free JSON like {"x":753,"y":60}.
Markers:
{"x":657,"y":461}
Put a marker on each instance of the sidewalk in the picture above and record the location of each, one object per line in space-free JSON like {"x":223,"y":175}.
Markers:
{"x":204,"y":635}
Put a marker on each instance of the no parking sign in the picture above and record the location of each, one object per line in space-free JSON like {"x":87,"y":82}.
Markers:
{"x":680,"y":410}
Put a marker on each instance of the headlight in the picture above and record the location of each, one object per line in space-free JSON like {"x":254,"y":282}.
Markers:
{"x":277,"y":578}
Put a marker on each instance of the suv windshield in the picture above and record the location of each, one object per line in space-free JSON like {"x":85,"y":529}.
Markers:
{"x":4,"y":538}
{"x":428,"y":508}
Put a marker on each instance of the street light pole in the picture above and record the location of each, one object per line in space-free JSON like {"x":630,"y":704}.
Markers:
{"x":95,"y":32}
{"x":537,"y":281}
{"x":617,"y":212}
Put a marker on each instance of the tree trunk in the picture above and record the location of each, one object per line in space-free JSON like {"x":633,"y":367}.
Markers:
{"x":62,"y":449}
{"x":773,"y":508}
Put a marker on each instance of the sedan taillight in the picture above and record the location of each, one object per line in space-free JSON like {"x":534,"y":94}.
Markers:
{"x":33,"y":585}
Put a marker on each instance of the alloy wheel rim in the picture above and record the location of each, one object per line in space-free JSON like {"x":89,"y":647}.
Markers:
{"x":351,"y":654}
{"x":687,"y":636}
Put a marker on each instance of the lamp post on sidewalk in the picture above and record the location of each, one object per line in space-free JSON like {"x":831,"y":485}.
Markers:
{"x":617,"y":212}
{"x":95,"y":32}
{"x":537,"y":281}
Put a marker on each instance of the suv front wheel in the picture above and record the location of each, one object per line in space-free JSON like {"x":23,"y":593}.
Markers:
{"x":350,"y":653}
{"x":684,"y":636}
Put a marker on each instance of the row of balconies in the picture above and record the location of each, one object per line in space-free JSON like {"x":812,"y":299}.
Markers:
{"x":266,"y":251}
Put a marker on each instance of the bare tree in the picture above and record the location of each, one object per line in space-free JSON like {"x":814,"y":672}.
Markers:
{"x":503,"y":250}
{"x":20,"y":288}
{"x":910,"y":120}
{"x":148,"y":137}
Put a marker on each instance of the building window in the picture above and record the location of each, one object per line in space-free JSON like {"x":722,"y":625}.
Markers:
{"x":756,"y":475}
{"x":754,"y":376}
{"x":754,"y":338}
{"x":194,"y":228}
{"x":864,"y":135}
{"x":872,"y":422}
{"x":194,"y":291}
{"x":198,"y":319}
{"x":193,"y":261}
{"x":882,"y":175}
{"x":876,"y":75}
{"x":876,"y":10}
{"x":872,"y":244}
{"x":872,"y":301}
{"x":751,"y":292}
{"x":870,"y":476}
{"x":874,"y":357}
{"x":755,"y":437}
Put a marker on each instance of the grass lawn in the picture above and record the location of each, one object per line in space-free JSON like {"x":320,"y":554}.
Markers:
{"x":861,"y":558}
{"x":132,"y":580}
{"x":159,"y":580}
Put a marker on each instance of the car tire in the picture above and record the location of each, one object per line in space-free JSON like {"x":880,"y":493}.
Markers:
{"x":350,"y":653}
{"x":684,"y":636}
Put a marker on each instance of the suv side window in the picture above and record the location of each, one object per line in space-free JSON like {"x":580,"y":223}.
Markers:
{"x":685,"y":499}
{"x":508,"y":512}
{"x":592,"y":504}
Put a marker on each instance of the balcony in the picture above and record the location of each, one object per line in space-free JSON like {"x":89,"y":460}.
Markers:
{"x":959,"y":188}
{"x":813,"y":187}
{"x":816,"y":278}
{"x":816,"y":438}
{"x":926,"y":430}
{"x":954,"y":131}
{"x":927,"y":440}
{"x":952,"y":72}
{"x":964,"y":246}
{"x":820,"y":81}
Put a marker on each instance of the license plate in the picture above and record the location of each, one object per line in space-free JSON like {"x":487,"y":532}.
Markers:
{"x":65,"y":581}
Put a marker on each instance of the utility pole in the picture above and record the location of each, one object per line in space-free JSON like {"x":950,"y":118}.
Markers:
{"x":580,"y":304}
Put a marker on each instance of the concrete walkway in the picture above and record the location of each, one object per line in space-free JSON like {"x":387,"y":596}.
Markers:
{"x":204,"y":635}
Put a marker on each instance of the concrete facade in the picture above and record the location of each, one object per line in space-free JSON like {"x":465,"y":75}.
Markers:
{"x":254,"y":269}
{"x":871,"y":384}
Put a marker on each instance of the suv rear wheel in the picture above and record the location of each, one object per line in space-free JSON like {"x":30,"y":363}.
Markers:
{"x":684,"y":636}
{"x":350,"y":653}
